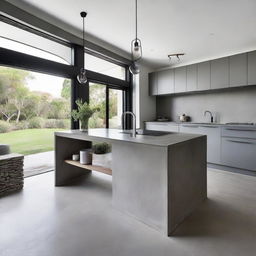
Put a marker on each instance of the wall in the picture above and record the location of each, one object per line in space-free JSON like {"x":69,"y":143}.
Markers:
{"x":232,"y":105}
{"x":144,"y":104}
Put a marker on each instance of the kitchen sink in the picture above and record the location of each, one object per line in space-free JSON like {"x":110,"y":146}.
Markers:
{"x":147,"y":132}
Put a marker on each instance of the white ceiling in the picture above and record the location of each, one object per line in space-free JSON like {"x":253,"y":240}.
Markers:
{"x":202,"y":29}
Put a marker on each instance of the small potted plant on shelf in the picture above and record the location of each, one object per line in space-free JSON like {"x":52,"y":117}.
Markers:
{"x":83,"y":113}
{"x":102,"y":155}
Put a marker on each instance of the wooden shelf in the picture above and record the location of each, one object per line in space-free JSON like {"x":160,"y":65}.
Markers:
{"x":90,"y":167}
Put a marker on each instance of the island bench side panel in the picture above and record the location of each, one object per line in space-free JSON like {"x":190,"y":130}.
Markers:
{"x":187,"y":179}
{"x":140,"y":182}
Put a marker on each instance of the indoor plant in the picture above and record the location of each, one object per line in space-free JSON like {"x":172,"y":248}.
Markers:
{"x":102,"y":155}
{"x":83,"y":113}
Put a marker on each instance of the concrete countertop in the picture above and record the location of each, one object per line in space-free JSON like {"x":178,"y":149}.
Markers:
{"x":112,"y":135}
{"x":205,"y":124}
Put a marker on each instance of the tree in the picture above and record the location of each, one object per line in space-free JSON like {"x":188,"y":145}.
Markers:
{"x":59,"y":109}
{"x":66,"y":89}
{"x":13,"y":92}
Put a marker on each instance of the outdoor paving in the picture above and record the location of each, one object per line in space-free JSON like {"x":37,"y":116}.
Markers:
{"x":38,"y":163}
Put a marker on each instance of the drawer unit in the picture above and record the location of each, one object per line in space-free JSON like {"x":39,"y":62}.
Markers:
{"x":239,"y":132}
{"x":162,"y":127}
{"x":186,"y":128}
{"x":239,"y":153}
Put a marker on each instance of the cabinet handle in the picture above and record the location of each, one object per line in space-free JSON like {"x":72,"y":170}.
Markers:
{"x":190,"y":126}
{"x":233,"y":129}
{"x":243,"y":142}
{"x":209,"y":126}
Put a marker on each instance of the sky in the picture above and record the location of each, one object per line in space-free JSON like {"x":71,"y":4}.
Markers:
{"x":46,"y":83}
{"x":41,"y":82}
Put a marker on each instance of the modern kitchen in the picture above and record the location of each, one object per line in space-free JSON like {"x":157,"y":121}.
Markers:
{"x":157,"y":154}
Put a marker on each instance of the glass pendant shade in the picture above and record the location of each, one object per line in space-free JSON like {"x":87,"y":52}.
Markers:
{"x":134,"y":68}
{"x":81,"y":77}
{"x":136,"y":49}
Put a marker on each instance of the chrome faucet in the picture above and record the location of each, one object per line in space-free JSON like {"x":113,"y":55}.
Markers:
{"x":207,"y":111}
{"x":133,"y":134}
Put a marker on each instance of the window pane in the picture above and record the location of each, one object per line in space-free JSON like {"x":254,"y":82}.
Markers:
{"x":115,"y":108}
{"x":104,"y":67}
{"x":97,"y":94}
{"x":20,"y":40}
{"x":32,"y":107}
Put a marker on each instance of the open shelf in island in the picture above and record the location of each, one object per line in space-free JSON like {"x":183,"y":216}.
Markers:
{"x":90,"y":167}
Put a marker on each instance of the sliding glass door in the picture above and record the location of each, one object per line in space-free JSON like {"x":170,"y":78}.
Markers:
{"x":110,"y":103}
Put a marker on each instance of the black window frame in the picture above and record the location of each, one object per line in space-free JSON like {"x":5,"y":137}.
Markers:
{"x":15,"y":59}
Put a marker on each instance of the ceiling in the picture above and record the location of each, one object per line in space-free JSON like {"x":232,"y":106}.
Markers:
{"x":202,"y":29}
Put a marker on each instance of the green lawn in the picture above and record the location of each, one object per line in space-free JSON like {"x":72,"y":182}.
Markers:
{"x":29,"y":141}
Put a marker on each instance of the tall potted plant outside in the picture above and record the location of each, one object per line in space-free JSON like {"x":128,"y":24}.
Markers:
{"x":83,"y":113}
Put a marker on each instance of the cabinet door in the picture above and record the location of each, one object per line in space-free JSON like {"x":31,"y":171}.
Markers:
{"x":180,"y":79}
{"x":252,"y":68}
{"x":220,"y":73}
{"x":194,"y":129}
{"x":165,"y":82}
{"x":191,"y":78}
{"x":152,"y":79}
{"x":203,"y":76}
{"x":162,"y":127}
{"x":239,"y":153}
{"x":213,"y":134}
{"x":238,"y":70}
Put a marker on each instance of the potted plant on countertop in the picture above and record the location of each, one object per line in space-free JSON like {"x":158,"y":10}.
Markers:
{"x":102,"y":155}
{"x":83,"y":113}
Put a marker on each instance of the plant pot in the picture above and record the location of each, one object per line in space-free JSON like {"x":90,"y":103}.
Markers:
{"x":83,"y":125}
{"x":104,"y":160}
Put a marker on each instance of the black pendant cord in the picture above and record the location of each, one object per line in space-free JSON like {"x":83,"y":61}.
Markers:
{"x":83,"y":31}
{"x":83,"y":15}
{"x":136,"y":20}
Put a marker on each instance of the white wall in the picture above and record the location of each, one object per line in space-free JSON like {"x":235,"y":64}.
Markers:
{"x":144,"y":104}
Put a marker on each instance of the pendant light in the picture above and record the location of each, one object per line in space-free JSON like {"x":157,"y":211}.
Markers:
{"x":81,"y":77}
{"x":136,"y":49}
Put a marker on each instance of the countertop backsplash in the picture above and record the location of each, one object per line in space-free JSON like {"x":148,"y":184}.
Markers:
{"x":238,"y":105}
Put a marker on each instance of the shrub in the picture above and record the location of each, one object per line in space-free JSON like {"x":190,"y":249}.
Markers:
{"x":36,"y":122}
{"x":5,"y":126}
{"x":57,"y":123}
{"x":50,"y":123}
{"x":101,"y":148}
{"x":21,"y":125}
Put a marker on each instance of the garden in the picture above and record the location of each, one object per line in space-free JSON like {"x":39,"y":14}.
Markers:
{"x":28,"y":118}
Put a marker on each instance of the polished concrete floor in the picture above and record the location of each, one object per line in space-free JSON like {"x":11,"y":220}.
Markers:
{"x":79,"y":220}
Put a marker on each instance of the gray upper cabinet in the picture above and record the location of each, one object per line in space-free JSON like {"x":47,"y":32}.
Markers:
{"x":191,"y":78}
{"x":165,"y":82}
{"x":220,"y":73}
{"x":233,"y":71}
{"x":203,"y":76}
{"x":180,"y":79}
{"x":238,"y":70}
{"x":252,"y":68}
{"x":152,"y":77}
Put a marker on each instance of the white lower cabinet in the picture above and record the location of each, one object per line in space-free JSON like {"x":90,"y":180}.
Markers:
{"x":239,"y":153}
{"x":233,"y":146}
{"x":213,"y":134}
{"x":166,"y":127}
